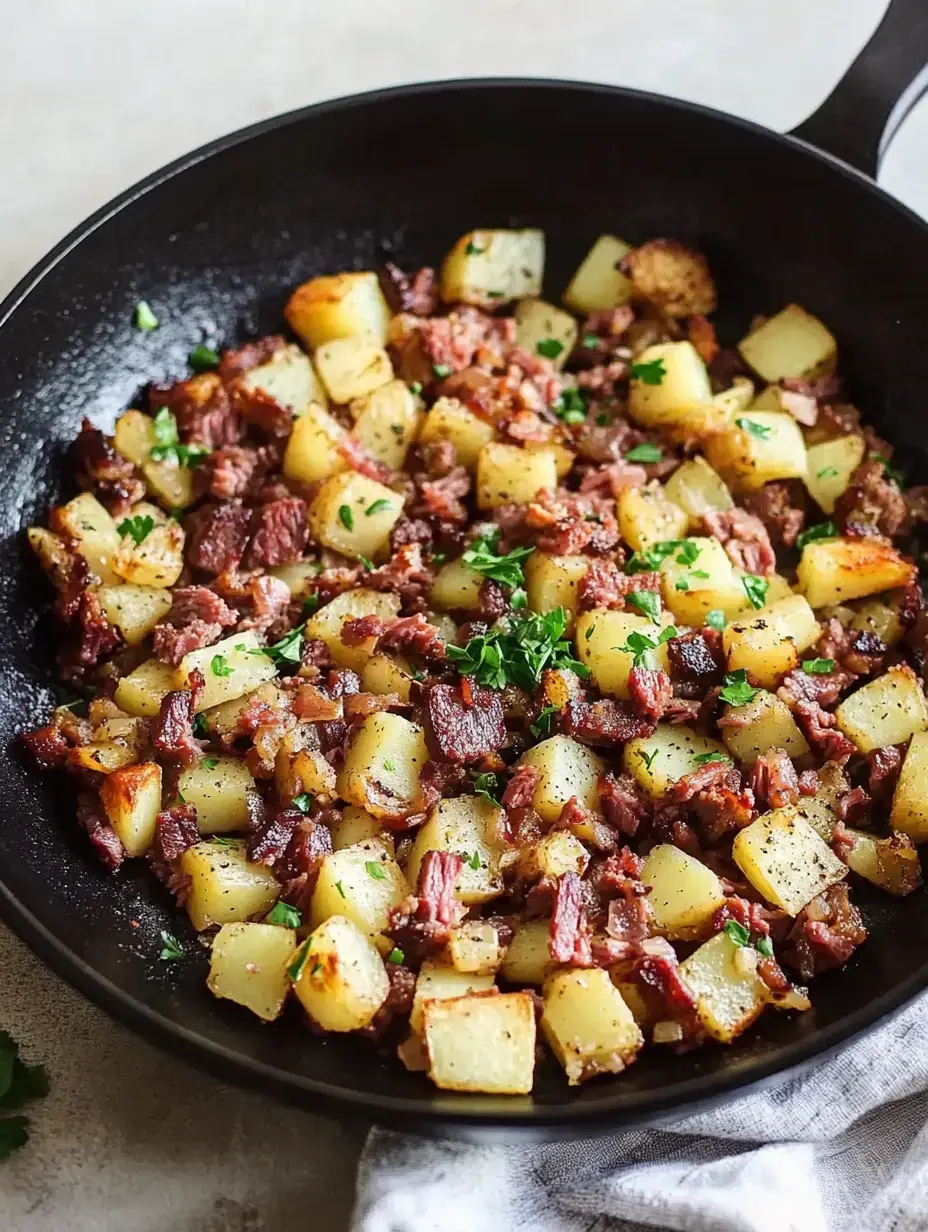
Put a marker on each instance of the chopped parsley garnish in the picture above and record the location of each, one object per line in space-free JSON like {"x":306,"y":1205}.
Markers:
{"x":645,"y":452}
{"x":490,"y":786}
{"x":646,"y":602}
{"x":518,"y":599}
{"x":167,"y":446}
{"x":220,"y":840}
{"x":374,"y":870}
{"x":295,"y":970}
{"x":542,"y":725}
{"x":756,"y":589}
{"x":704,"y":759}
{"x":18,"y":1083}
{"x":818,"y":667}
{"x":827,"y":472}
{"x":284,"y":915}
{"x":144,"y":319}
{"x":590,"y":341}
{"x":738,"y":933}
{"x":395,"y":955}
{"x":210,"y":763}
{"x":641,"y":644}
{"x":602,"y":420}
{"x":139,"y":528}
{"x":716,"y":619}
{"x":346,"y":517}
{"x":689,"y":553}
{"x":647,"y":758}
{"x":570,"y":406}
{"x":441,"y":370}
{"x":651,"y":373}
{"x":473,"y":861}
{"x":311,"y":603}
{"x":761,"y":431}
{"x":822,"y":530}
{"x":203,"y":359}
{"x":219,"y":666}
{"x":507,"y":570}
{"x":388,"y":765}
{"x":377,"y":506}
{"x":303,"y":802}
{"x":416,"y":388}
{"x":201,"y":725}
{"x":473,"y":250}
{"x":340,"y":888}
{"x":650,"y":558}
{"x":764,"y":946}
{"x":518,"y":652}
{"x":171,"y":948}
{"x":699,"y":573}
{"x":737,"y":691}
{"x":366,"y":562}
{"x":681,"y":584}
{"x":889,"y":470}
{"x":550,"y":348}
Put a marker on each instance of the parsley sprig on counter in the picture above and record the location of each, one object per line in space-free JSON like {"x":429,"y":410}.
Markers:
{"x":18,"y":1083}
{"x":518,"y":652}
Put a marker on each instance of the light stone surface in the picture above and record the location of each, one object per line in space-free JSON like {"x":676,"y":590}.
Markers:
{"x":94,"y":96}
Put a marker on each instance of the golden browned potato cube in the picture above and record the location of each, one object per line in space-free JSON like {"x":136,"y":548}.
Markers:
{"x":450,"y":420}
{"x":93,"y":531}
{"x":587,"y":1024}
{"x":223,"y":720}
{"x":528,"y":958}
{"x":361,"y":883}
{"x":684,"y":893}
{"x":764,"y":723}
{"x":837,"y":570}
{"x":457,"y":587}
{"x":326,"y":624}
{"x":340,"y":978}
{"x":437,"y":981}
{"x":382,"y":764}
{"x":599,"y":284}
{"x":141,"y":692}
{"x":565,"y":768}
{"x":470,"y":826}
{"x":231,"y":668}
{"x":289,"y":378}
{"x":353,"y":367}
{"x":697,"y":489}
{"x":785,"y":860}
{"x":491,"y":268}
{"x":599,"y":638}
{"x":386,"y":422}
{"x":757,"y":447}
{"x":698,"y":578}
{"x":248,"y":965}
{"x":789,"y":345}
{"x":338,"y":306}
{"x":312,"y":451}
{"x":770,"y":645}
{"x":729,"y":992}
{"x":53,"y":556}
{"x":542,"y":329}
{"x":354,"y":515}
{"x":504,"y":1025}
{"x":910,"y":800}
{"x":385,"y":673}
{"x":508,"y":474}
{"x":218,"y":787}
{"x":886,"y":710}
{"x":891,"y":863}
{"x":103,"y":757}
{"x":659,"y":760}
{"x":646,"y":516}
{"x":831,"y":464}
{"x":474,"y":948}
{"x":883,"y":619}
{"x":358,"y":826}
{"x":672,"y":277}
{"x":157,"y":561}
{"x":225,"y":885}
{"x":820,"y":810}
{"x":308,"y":772}
{"x":557,"y":853}
{"x":552,"y":581}
{"x":131,"y":799}
{"x":683,"y":385}
{"x":134,"y":610}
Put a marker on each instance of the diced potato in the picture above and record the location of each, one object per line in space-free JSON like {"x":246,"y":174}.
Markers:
{"x":831,"y":464}
{"x":171,"y":485}
{"x":103,"y":757}
{"x":307,"y":772}
{"x":385,"y":673}
{"x":528,"y":958}
{"x":565,"y":768}
{"x":792,"y":344}
{"x":598,"y":283}
{"x":450,"y":420}
{"x":469,"y":825}
{"x":504,"y":1025}
{"x":659,"y":760}
{"x":223,"y":720}
{"x":564,"y":456}
{"x":437,"y":981}
{"x":552,"y":581}
{"x":230,"y":669}
{"x":557,"y":853}
{"x":886,"y":710}
{"x":84,"y":521}
{"x":769,"y":646}
{"x":157,"y":561}
{"x":134,"y":610}
{"x":587,"y":1024}
{"x":729,"y":992}
{"x":697,"y":489}
{"x":225,"y":885}
{"x":684,"y":893}
{"x":360,"y":883}
{"x":300,"y":577}
{"x":699,"y":578}
{"x":821,"y":809}
{"x":599,"y":637}
{"x":386,"y":422}
{"x":53,"y":556}
{"x":131,"y":798}
{"x":785,"y":860}
{"x":382,"y":765}
{"x":248,"y":965}
{"x":134,"y":436}
{"x":142,"y":691}
{"x":891,"y":863}
{"x":756,"y":448}
{"x":683,"y":386}
{"x":358,"y":826}
{"x":457,"y":587}
{"x":218,"y":787}
{"x":353,"y":367}
{"x":312,"y":451}
{"x":646,"y":516}
{"x":289,"y":378}
{"x":735,"y":399}
{"x":671,"y":277}
{"x":338,"y":306}
{"x":542,"y":329}
{"x":508,"y":474}
{"x":909,"y":812}
{"x":491,"y":268}
{"x":354,"y":515}
{"x":326,"y":624}
{"x":836,"y":570}
{"x":474,"y":948}
{"x":341,"y":980}
{"x":764,"y":723}
{"x":883,"y":619}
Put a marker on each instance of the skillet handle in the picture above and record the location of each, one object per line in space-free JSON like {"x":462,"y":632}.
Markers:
{"x":864,"y":111}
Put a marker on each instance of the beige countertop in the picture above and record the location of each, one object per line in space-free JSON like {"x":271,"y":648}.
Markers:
{"x":94,"y":96}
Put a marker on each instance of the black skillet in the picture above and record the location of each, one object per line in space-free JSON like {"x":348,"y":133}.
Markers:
{"x":215,"y":242}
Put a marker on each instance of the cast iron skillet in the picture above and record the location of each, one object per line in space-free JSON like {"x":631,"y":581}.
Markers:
{"x":215,"y":242}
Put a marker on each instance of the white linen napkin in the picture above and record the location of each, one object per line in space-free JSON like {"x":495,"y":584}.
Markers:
{"x":841,"y":1148}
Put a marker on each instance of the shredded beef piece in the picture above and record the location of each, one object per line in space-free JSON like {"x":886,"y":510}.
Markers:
{"x":701,"y":334}
{"x":822,"y":688}
{"x":650,"y":691}
{"x":71,"y":586}
{"x":745,"y":538}
{"x":607,"y":442}
{"x":315,"y":705}
{"x":439,"y":458}
{"x":297,"y":869}
{"x":570,"y":523}
{"x":172,"y":731}
{"x":694,"y":664}
{"x":865,"y":655}
{"x":409,"y":532}
{"x":218,"y":539}
{"x":774,"y":780}
{"x":619,"y":875}
{"x":662,"y":973}
{"x":604,"y":585}
{"x":441,"y":499}
{"x":361,"y":461}
{"x":610,"y":479}
{"x":415,"y":293}
{"x":360,"y":629}
{"x":885,"y":764}
{"x":96,"y":638}
{"x":682,"y":710}
{"x":520,"y":790}
{"x":104,"y":838}
{"x":175,"y":830}
{"x":716,"y":794}
{"x":825,"y":934}
{"x":414,"y":634}
{"x":280,"y":534}
{"x":197,"y":618}
{"x":203,"y":409}
{"x":871,"y":499}
{"x":670,"y":824}
{"x":230,"y":472}
{"x":629,"y":920}
{"x":808,"y":783}
{"x":853,"y":805}
{"x":460,"y":732}
{"x":236,"y":362}
{"x":48,"y":745}
{"x":269,"y":842}
{"x":801,"y":405}
{"x":437,"y":876}
{"x":596,"y":833}
{"x":492,"y":601}
{"x":270,"y":597}
{"x":781,"y":507}
{"x":842,"y":841}
{"x":569,"y":933}
{"x":605,"y":722}
{"x":622,"y":803}
{"x":99,"y":468}
{"x":261,"y":410}
{"x":819,"y":728}
{"x":405,"y":574}
{"x":398,"y":1004}
{"x":755,"y":917}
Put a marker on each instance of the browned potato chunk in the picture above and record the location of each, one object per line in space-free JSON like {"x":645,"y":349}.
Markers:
{"x":672,"y":277}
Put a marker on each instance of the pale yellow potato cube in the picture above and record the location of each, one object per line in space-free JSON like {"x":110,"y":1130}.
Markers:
{"x":738,"y":396}
{"x":438,"y":981}
{"x":769,"y":646}
{"x":300,"y":577}
{"x":361,"y":883}
{"x":891,"y":864}
{"x":683,"y":386}
{"x":837,"y":570}
{"x":354,"y":515}
{"x":225,"y":885}
{"x":490,"y":268}
{"x":218,"y":787}
{"x":557,"y":853}
{"x":886,"y":710}
{"x":352,"y":367}
{"x":312,"y":451}
{"x":759,"y":446}
{"x":326,"y":624}
{"x":157,"y":561}
{"x":764,"y":723}
{"x":792,"y":344}
{"x":821,"y":809}
{"x":646,"y":516}
{"x":170,"y":484}
{"x":248,"y":965}
{"x":289,"y":378}
{"x":542,"y":329}
{"x":338,"y":306}
{"x":386,"y":422}
{"x":503,"y":1027}
{"x":385,"y":673}
{"x":883,"y":619}
{"x":382,"y":765}
{"x":470,"y":826}
{"x":909,"y":812}
{"x":661,"y":759}
{"x":698,"y":489}
{"x":598,"y":283}
{"x":785,"y":860}
{"x":457,"y":587}
{"x":223,"y":720}
{"x":231,"y":668}
{"x":340,"y":981}
{"x":587,"y":1024}
{"x":528,"y":958}
{"x":729,"y":993}
{"x":91,"y":528}
{"x":684,"y":893}
{"x":831,"y":464}
{"x":474,"y":948}
{"x":565,"y":768}
{"x":131,"y":799}
{"x":102,"y":757}
{"x":134,"y":436}
{"x":599,"y":638}
{"x":552,"y":581}
{"x":508,"y":474}
{"x":698,"y":578}
{"x":450,"y":420}
{"x":142,"y":691}
{"x":356,"y":825}
{"x":134,"y":610}
{"x":564,"y":456}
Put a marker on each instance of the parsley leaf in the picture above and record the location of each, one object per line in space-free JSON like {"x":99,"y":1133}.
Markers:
{"x":738,"y":933}
{"x":589,"y":341}
{"x":389,"y":765}
{"x":441,"y":370}
{"x":507,"y":570}
{"x":171,"y":948}
{"x":764,"y":946}
{"x":139,"y":528}
{"x":374,"y":870}
{"x":473,"y":250}
{"x":542,"y":725}
{"x":571,"y":406}
{"x":823,"y":530}
{"x":473,"y":861}
{"x":295,"y":970}
{"x":284,"y":915}
{"x":490,"y":786}
{"x":756,"y":589}
{"x":703,"y":759}
{"x":651,"y":373}
{"x":346,"y":517}
{"x":303,"y":802}
{"x":167,"y":446}
{"x":690,"y":552}
{"x":818,"y":667}
{"x":219,"y":666}
{"x":641,"y":644}
{"x":650,"y":558}
{"x":889,"y":470}
{"x":645,"y":452}
{"x":287,"y":650}
{"x":761,"y":431}
{"x":395,"y":955}
{"x":377,"y":506}
{"x":646,"y":602}
{"x":340,"y":888}
{"x":716,"y":619}
{"x":201,"y":725}
{"x":144,"y":319}
{"x":415,"y":388}
{"x":203,"y":359}
{"x":681,"y":584}
{"x":737,"y":691}
{"x":519,"y":651}
{"x":550,"y":348}
{"x":210,"y":763}
{"x":518,"y":599}
{"x":827,"y":472}
{"x":647,"y":758}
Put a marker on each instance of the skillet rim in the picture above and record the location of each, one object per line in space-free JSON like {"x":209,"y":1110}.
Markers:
{"x":682,"y":1097}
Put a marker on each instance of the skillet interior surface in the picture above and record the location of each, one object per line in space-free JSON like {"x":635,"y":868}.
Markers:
{"x":215,"y":244}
